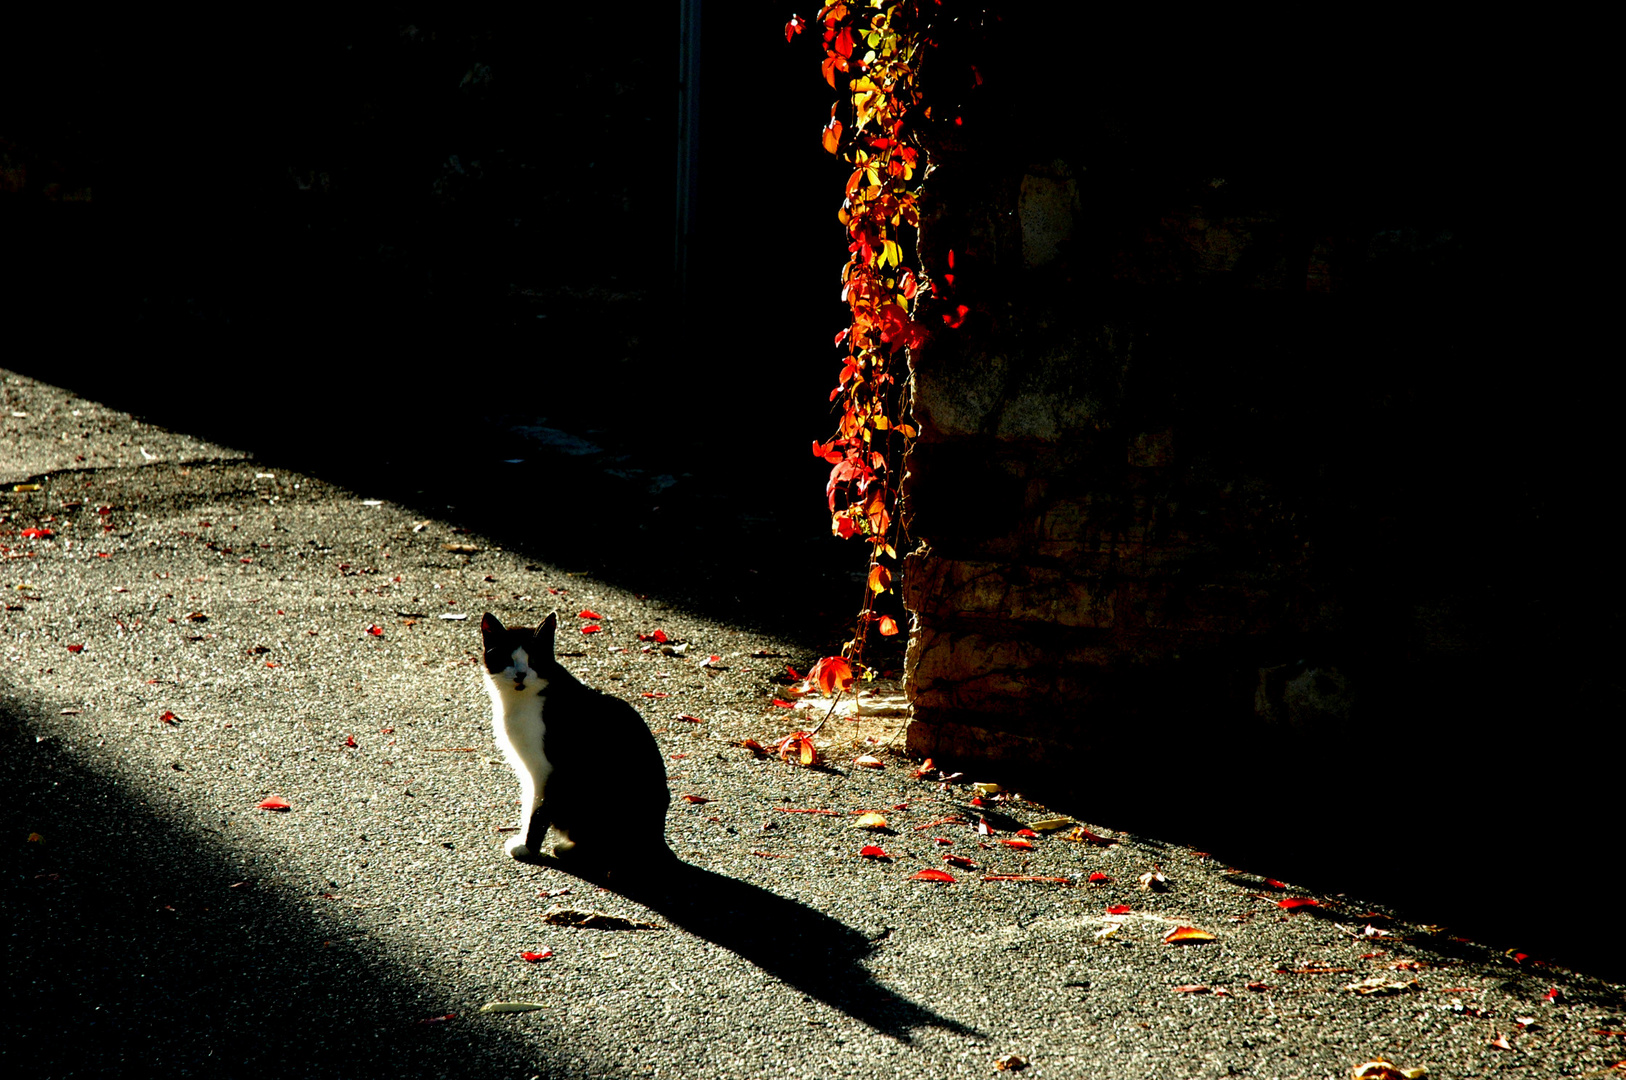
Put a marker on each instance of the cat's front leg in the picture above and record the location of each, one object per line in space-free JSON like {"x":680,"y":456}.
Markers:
{"x":527,"y":845}
{"x":533,"y":823}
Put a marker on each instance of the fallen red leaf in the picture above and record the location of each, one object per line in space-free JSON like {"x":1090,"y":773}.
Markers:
{"x":945,"y":841}
{"x":959,"y":860}
{"x":783,"y":704}
{"x":533,"y":957}
{"x":659,"y":637}
{"x":1098,"y":878}
{"x":983,"y":828}
{"x":753,"y":746}
{"x":169,"y":718}
{"x":276,"y":802}
{"x":1017,"y":843}
{"x":870,"y":851}
{"x":1026,"y":832}
{"x":439,"y":1019}
{"x":1272,"y":883}
{"x":655,"y":693}
{"x":1118,"y":909}
{"x":1500,"y":1042}
{"x":691,"y":719}
{"x":591,"y":628}
{"x":76,"y":648}
{"x":1293,"y":902}
{"x":794,"y":810}
{"x":1554,"y":996}
{"x":376,"y":631}
{"x":694,"y":798}
{"x":1257,"y":987}
{"x":350,"y":740}
{"x":1191,"y":988}
{"x":36,"y":534}
{"x":585,"y":614}
{"x":932,"y":875}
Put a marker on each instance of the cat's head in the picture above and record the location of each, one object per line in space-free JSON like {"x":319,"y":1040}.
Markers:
{"x":514,"y":655}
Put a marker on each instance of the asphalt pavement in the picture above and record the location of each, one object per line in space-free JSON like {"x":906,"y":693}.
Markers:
{"x":191,"y":634}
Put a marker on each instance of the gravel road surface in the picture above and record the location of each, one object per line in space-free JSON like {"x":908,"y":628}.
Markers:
{"x":188,"y":632}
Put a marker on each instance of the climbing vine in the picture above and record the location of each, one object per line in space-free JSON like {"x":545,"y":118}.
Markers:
{"x":872,"y":55}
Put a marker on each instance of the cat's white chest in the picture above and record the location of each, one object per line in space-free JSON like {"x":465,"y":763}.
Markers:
{"x":520,"y":730}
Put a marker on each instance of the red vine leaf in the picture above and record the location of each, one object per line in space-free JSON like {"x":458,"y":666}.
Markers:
{"x":831,"y":674}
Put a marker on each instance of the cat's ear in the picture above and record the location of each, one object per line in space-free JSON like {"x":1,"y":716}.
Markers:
{"x":549,"y":627}
{"x":490,"y":624}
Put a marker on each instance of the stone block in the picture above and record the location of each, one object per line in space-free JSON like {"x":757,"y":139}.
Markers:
{"x":952,"y":588}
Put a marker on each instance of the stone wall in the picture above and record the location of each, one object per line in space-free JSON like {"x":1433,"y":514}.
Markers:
{"x":1201,"y":455}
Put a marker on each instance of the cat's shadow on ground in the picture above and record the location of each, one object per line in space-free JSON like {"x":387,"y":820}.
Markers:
{"x":804,"y":948}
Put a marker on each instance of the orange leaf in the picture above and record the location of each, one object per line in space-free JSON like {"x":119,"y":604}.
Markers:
{"x":880,"y":579}
{"x":1187,"y":935}
{"x":1017,"y":843}
{"x":276,"y":802}
{"x":1191,"y":988}
{"x":1500,"y":1042}
{"x":694,"y":798}
{"x":533,"y":957}
{"x":889,"y":626}
{"x":832,"y":135}
{"x":1293,"y":902}
{"x":932,"y":875}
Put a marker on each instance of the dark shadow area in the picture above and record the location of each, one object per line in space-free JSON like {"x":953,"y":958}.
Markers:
{"x":402,"y":249}
{"x":1460,"y":801}
{"x":139,"y":946}
{"x":804,"y":948}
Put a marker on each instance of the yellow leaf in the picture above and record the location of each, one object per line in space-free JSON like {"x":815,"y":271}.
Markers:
{"x":880,"y":579}
{"x":510,"y":1007}
{"x":987,"y":789}
{"x":871,"y":820}
{"x":36,"y":487}
{"x":1050,"y":824}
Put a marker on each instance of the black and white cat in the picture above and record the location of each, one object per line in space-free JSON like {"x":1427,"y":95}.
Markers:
{"x":586,"y":762}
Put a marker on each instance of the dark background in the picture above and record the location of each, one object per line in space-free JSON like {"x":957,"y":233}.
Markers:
{"x":373,"y":246}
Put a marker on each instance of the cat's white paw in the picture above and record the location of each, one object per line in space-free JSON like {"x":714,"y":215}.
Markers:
{"x":517,"y":849}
